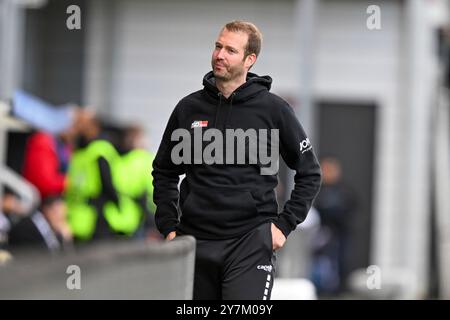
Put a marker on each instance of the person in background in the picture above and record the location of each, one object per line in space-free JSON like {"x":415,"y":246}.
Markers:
{"x":11,"y":212}
{"x":97,"y":208}
{"x":47,"y":157}
{"x":335,"y":204}
{"x":45,"y":229}
{"x":135,"y":179}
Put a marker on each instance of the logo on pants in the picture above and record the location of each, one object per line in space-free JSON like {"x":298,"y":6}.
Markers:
{"x":267,"y":268}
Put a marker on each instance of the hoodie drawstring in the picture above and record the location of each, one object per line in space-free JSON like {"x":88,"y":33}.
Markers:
{"x":229,"y":110}
{"x":218,"y":109}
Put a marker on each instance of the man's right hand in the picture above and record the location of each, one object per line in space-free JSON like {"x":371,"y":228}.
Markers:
{"x":171,"y":236}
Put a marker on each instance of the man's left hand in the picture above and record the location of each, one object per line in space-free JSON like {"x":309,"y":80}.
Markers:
{"x":278,"y":238}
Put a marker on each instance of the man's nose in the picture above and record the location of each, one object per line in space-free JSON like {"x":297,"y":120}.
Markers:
{"x":220,"y":54}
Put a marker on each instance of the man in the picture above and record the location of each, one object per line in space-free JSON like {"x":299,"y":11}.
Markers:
{"x":11,"y":212}
{"x":336,"y":204}
{"x":97,"y":209}
{"x":230,"y":206}
{"x":45,"y":229}
{"x":47,"y":157}
{"x":48,"y":150}
{"x":133,"y":181}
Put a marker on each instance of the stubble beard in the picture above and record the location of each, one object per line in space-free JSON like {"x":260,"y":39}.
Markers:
{"x":229,"y":74}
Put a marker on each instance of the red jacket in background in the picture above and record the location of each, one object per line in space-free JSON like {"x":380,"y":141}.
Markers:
{"x":42,"y":165}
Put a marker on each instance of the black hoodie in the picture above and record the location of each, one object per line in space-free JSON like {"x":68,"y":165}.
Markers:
{"x":221,"y":201}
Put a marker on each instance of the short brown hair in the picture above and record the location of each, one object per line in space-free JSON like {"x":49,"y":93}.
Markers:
{"x":254,"y":35}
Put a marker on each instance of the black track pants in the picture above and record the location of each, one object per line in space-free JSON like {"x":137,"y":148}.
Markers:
{"x":235,"y":269}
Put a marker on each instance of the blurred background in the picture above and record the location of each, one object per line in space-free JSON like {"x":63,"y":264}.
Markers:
{"x":368,"y":80}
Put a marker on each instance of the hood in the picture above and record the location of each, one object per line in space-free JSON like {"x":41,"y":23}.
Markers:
{"x":250,"y":88}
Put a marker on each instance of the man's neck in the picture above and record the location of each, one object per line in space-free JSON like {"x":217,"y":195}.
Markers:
{"x":228,"y":87}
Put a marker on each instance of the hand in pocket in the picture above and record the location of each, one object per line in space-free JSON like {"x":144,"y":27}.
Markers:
{"x":278,"y":238}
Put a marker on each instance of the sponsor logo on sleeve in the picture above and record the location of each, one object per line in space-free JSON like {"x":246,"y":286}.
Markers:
{"x":305,"y":145}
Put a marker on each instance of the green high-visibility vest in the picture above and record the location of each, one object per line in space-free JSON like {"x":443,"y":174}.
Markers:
{"x":134,"y":175}
{"x":84,"y":183}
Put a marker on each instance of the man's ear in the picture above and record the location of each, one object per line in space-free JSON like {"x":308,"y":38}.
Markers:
{"x":250,"y":60}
